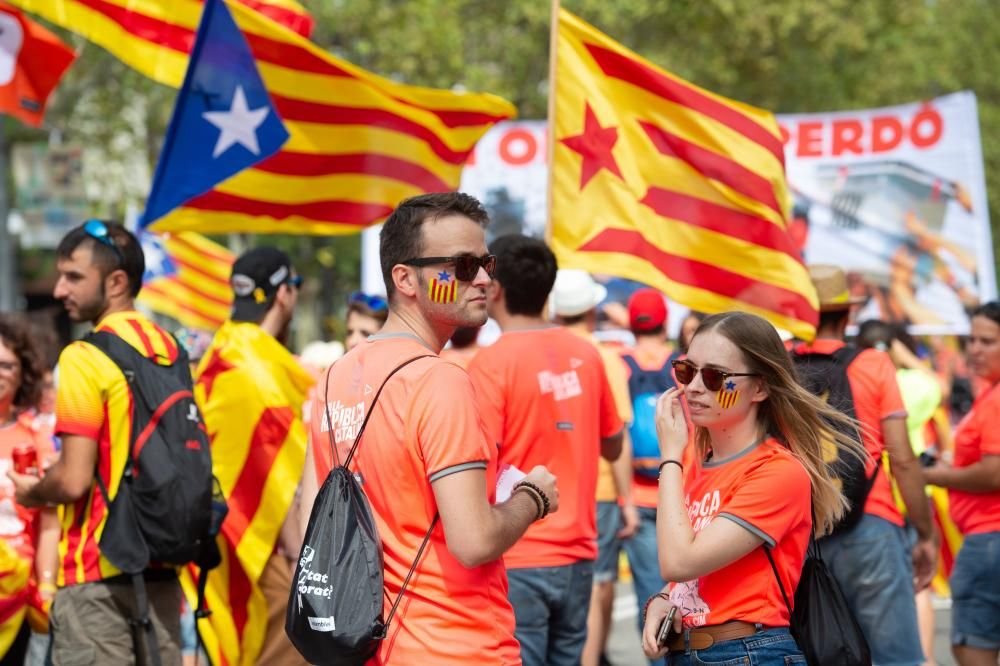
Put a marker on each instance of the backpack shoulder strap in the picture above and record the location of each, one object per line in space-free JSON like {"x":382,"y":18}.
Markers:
{"x":774,"y":568}
{"x":632,"y":364}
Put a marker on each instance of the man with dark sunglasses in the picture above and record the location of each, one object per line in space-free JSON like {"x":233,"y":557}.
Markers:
{"x":100,"y":266}
{"x":423,"y":453}
{"x":545,"y":399}
{"x":250,"y":389}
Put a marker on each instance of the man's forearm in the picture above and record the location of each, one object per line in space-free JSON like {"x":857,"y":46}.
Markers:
{"x":52,"y":488}
{"x":910,"y":481}
{"x":511,"y":520}
{"x":621,"y":471}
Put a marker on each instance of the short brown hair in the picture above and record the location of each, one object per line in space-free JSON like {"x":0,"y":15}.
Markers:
{"x":400,"y":239}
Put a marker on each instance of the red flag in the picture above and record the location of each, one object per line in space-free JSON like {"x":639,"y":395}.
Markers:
{"x":32,"y":60}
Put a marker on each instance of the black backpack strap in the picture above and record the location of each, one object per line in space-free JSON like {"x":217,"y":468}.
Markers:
{"x":142,"y":623}
{"x":409,"y":574}
{"x":774,"y":568}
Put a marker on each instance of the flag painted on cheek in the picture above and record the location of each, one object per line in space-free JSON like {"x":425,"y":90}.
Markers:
{"x":443,"y":288}
{"x":728,"y":396}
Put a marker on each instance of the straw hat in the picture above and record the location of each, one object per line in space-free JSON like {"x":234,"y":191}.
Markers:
{"x":831,"y":288}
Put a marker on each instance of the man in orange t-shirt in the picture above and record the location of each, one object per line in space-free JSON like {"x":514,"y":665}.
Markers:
{"x":423,"y":451}
{"x":545,"y":400}
{"x":875,"y":562}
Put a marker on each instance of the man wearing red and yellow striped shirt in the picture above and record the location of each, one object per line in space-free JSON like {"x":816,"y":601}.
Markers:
{"x":100,"y":267}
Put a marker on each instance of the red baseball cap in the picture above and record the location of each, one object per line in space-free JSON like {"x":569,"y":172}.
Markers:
{"x":647,"y":310}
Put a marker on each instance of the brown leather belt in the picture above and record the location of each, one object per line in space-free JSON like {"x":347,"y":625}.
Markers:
{"x":701,"y":638}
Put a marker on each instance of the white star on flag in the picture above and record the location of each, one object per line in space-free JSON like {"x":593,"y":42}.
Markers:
{"x":239,"y":124}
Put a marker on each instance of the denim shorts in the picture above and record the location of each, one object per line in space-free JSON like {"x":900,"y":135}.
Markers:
{"x":873,"y":565}
{"x":609,"y":521}
{"x":975,"y":593}
{"x":769,"y":647}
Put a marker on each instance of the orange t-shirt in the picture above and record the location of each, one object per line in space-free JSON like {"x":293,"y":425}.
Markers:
{"x":766,"y":490}
{"x":646,"y":489}
{"x":544,"y":397}
{"x":977,"y":435}
{"x":424,"y":427}
{"x":93,"y":400}
{"x":872,"y":377}
{"x":16,"y":522}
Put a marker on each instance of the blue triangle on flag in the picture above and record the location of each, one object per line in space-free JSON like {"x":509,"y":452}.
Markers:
{"x":224,"y":120}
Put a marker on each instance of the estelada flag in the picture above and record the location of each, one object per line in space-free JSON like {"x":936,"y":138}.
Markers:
{"x":187,"y":278}
{"x":32,"y":60}
{"x":358,"y":145}
{"x":657,"y":180}
{"x":250,"y":390}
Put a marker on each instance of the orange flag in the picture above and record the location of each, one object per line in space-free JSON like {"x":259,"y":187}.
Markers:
{"x":657,"y":180}
{"x":32,"y":60}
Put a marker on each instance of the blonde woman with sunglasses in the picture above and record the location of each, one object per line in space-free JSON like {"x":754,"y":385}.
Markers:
{"x":757,"y":479}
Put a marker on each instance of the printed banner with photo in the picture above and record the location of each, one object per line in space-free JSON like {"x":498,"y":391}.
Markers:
{"x":896,"y":196}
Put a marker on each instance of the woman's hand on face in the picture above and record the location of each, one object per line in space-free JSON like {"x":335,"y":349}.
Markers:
{"x":671,"y":426}
{"x":655,"y":613}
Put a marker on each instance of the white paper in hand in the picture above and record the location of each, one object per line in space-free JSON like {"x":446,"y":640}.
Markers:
{"x":507,"y":477}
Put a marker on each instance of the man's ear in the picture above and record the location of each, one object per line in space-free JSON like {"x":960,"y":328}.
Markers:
{"x":405,"y":280}
{"x":494,"y":292}
{"x":116,"y":284}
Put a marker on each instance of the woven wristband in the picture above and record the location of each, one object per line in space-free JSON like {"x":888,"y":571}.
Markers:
{"x":545,"y":499}
{"x":536,"y":498}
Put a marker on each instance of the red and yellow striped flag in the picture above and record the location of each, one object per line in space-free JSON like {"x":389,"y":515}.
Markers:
{"x":359,"y":143}
{"x":14,"y":594}
{"x":250,"y":389}
{"x":657,"y":180}
{"x":187,"y":278}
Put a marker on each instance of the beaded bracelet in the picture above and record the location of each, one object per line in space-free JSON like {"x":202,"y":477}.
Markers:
{"x":645,"y":608}
{"x":535,"y":497}
{"x":545,"y":499}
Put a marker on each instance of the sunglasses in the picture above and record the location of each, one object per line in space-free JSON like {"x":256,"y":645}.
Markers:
{"x":99,"y":232}
{"x":712,"y":379}
{"x":466,"y":265}
{"x":295,"y":281}
{"x":376,"y":303}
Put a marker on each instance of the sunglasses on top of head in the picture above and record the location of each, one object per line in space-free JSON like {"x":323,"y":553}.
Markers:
{"x":466,"y":265}
{"x":713,"y":379}
{"x":99,"y":231}
{"x":372,"y":301}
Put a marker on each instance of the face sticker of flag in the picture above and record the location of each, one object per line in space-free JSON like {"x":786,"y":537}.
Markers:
{"x":728,"y":395}
{"x":443,"y":288}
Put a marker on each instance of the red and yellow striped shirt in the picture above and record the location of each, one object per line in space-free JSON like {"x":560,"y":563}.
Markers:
{"x":94,"y":401}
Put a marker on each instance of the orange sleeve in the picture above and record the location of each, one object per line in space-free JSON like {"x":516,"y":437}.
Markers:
{"x":990,"y":424}
{"x":79,"y":398}
{"x":448,"y":429}
{"x":489,"y":394}
{"x":873,"y":381}
{"x":773,"y":498}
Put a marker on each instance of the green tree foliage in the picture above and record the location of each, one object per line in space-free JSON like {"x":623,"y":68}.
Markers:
{"x":784,"y":55}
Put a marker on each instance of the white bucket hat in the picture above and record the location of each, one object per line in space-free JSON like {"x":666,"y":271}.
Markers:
{"x":575,"y":292}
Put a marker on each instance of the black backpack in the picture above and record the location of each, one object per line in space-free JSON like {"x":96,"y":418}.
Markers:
{"x":168,"y":508}
{"x":822,"y":623}
{"x":644,"y":388}
{"x":825,"y":375}
{"x":335,"y":608}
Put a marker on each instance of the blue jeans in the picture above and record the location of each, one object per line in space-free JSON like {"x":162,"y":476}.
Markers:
{"x":975,"y":591}
{"x":770,"y":647}
{"x":550,"y":608}
{"x":609,"y":521}
{"x":874,"y":568}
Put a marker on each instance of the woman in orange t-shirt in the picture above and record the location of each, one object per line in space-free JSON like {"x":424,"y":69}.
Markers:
{"x":973,"y":483}
{"x":32,"y":535}
{"x":759,"y":465}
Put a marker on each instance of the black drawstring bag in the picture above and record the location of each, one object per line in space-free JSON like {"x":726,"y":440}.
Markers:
{"x":334,"y":615}
{"x":822,"y":623}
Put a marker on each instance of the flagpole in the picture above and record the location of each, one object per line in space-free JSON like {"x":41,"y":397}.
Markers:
{"x":550,"y":145}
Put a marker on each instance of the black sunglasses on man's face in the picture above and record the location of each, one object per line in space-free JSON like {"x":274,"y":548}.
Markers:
{"x":466,"y":265}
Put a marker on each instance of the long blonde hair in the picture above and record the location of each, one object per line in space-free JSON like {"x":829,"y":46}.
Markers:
{"x":799,"y":420}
